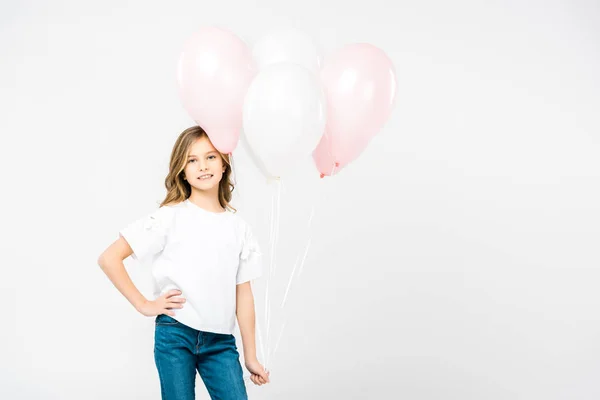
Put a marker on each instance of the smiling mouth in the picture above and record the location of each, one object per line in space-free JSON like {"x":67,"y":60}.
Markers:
{"x":205,"y":177}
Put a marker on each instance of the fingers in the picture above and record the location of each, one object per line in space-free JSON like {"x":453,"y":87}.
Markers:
{"x":169,"y":307}
{"x":173,"y":302}
{"x":264,"y":375}
{"x":174,"y":292}
{"x":260,"y":379}
{"x":257,"y":380}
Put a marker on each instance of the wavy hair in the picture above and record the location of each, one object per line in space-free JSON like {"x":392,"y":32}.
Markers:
{"x":178,"y":189}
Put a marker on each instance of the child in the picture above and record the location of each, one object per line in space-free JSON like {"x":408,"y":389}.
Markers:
{"x":203,"y":258}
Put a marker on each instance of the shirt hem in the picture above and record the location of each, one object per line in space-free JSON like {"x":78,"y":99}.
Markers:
{"x":205,"y":327}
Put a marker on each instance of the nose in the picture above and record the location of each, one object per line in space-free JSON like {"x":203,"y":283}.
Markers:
{"x":203,"y":165}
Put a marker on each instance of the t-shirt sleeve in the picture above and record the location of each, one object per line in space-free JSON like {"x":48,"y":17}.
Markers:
{"x":250,"y":266}
{"x":147,"y":235}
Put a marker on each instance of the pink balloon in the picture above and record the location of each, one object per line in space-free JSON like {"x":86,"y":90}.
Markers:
{"x":360,"y":84}
{"x":214,"y":72}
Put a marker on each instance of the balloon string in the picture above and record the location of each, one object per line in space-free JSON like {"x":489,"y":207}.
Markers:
{"x":271,"y":260}
{"x":312,"y":213}
{"x":319,"y":201}
{"x":275,"y":218}
{"x":305,"y":254}
{"x":279,"y":338}
{"x":290,"y":282}
{"x":270,"y":253}
{"x":277,"y":225}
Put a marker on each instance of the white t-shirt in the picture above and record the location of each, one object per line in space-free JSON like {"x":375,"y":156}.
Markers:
{"x":202,"y":253}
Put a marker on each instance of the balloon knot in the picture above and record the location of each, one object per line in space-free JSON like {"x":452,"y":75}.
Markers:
{"x":322,"y":175}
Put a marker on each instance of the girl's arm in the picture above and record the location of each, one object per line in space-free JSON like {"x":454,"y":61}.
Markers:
{"x":246,"y":320}
{"x":111,"y":262}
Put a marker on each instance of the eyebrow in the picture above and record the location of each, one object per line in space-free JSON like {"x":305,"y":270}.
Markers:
{"x":210,"y":152}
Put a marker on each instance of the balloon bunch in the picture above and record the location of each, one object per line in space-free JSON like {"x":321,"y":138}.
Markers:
{"x":286,"y":104}
{"x":283,"y":100}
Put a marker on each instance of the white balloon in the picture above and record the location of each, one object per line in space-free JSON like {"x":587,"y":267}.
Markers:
{"x":287,"y":46}
{"x":283,"y":117}
{"x":253,"y":156}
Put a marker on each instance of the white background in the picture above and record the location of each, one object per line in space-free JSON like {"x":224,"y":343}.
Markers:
{"x":457,"y":258}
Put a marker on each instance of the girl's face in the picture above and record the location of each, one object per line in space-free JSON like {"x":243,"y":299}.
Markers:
{"x":204,"y":166}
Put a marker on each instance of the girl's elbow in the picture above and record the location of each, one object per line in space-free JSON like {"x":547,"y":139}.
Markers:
{"x":117,"y":251}
{"x":102,"y":260}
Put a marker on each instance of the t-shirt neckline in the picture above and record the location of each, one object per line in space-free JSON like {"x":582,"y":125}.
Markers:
{"x":197,"y":207}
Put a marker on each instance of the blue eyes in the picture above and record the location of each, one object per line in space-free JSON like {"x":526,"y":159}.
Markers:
{"x":209,"y":157}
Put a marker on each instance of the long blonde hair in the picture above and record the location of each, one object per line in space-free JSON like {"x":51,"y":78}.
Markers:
{"x":178,"y":189}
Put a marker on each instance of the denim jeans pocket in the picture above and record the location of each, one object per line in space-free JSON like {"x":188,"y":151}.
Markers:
{"x":163,"y":319}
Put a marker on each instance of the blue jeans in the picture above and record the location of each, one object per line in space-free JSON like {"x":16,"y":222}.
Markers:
{"x":180,"y":350}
